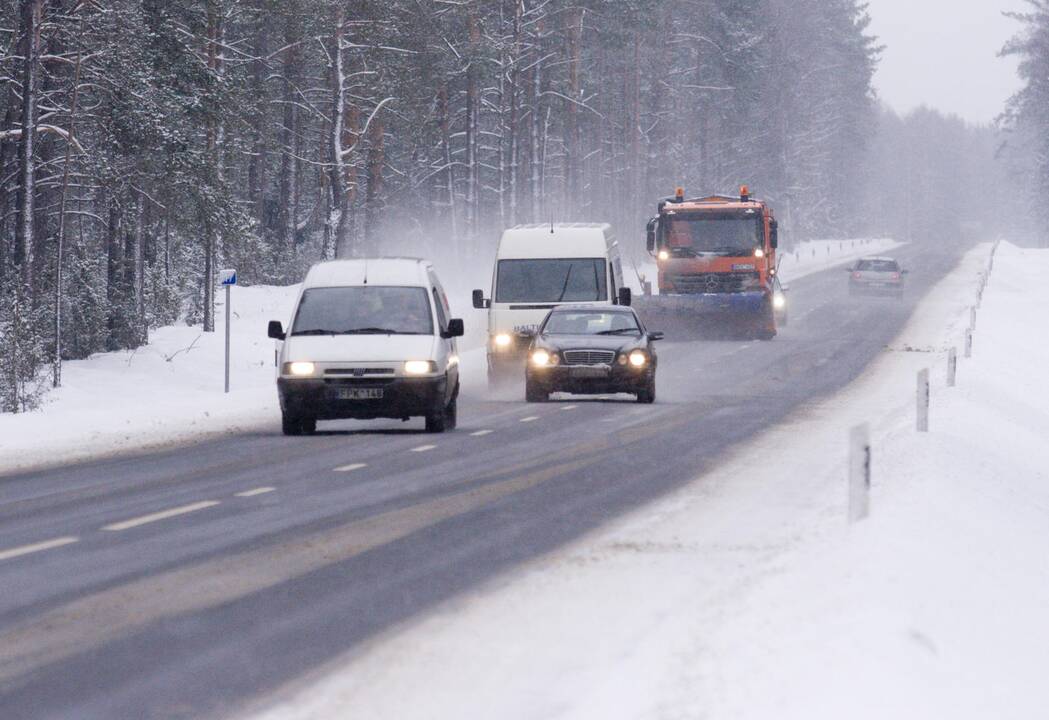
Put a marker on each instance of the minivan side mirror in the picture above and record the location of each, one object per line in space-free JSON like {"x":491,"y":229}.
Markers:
{"x":479,"y":300}
{"x":275,"y":330}
{"x":774,"y":234}
{"x":653,"y":336}
{"x":455,"y":329}
{"x":625,"y":296}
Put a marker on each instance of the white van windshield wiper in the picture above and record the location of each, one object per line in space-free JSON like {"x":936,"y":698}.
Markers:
{"x":315,"y":331}
{"x":564,"y":288}
{"x":369,"y":331}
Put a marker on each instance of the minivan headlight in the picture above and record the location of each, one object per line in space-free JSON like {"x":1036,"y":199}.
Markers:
{"x":300,"y":369}
{"x":419,"y":367}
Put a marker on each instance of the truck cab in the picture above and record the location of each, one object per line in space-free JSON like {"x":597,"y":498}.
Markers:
{"x":539,"y":267}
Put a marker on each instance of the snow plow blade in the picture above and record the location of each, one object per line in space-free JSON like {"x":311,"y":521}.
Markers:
{"x":721,"y":316}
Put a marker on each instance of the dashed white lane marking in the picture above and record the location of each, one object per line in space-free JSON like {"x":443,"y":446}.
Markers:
{"x":569,"y":407}
{"x":423,"y":448}
{"x":256,"y":491}
{"x":162,"y":515}
{"x":37,"y":547}
{"x":530,"y":418}
{"x":480,"y":433}
{"x":351,"y":467}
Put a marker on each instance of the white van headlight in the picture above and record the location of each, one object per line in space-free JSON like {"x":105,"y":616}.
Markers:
{"x":300,"y":369}
{"x":419,"y":367}
{"x":503,"y":340}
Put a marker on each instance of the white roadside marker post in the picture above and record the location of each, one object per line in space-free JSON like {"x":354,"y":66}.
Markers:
{"x":972,"y":318}
{"x":229,"y":279}
{"x":968,"y":343}
{"x":859,"y":473}
{"x":923,"y":400}
{"x":952,"y":366}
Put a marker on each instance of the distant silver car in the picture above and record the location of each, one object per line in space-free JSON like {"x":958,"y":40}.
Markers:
{"x":876,"y":276}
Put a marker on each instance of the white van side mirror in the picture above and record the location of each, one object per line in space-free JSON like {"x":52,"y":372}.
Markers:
{"x":480,"y":302}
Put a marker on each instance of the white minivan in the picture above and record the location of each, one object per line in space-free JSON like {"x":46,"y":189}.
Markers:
{"x":369,"y":338}
{"x":538,"y":267}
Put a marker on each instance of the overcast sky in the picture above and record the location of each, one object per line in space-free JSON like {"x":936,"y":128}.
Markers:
{"x":943,"y":53}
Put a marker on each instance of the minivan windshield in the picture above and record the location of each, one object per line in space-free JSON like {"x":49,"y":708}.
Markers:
{"x":364,"y":310}
{"x":551,"y":281}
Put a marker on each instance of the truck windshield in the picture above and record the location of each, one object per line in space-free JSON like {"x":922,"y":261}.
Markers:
{"x":551,"y":281}
{"x":714,"y":234}
{"x":365,"y":310}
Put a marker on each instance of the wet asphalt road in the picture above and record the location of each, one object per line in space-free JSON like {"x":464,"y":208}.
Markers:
{"x":190,"y":583}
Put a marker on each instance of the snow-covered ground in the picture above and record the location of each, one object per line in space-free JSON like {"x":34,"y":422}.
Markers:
{"x":748,"y":595}
{"x":171,"y":390}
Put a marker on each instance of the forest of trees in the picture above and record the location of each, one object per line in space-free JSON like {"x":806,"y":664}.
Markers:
{"x":147,"y":143}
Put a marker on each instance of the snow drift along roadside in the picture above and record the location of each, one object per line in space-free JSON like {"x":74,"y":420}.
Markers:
{"x":749,"y":596}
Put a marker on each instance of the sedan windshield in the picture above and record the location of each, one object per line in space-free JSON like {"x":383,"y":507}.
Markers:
{"x":591,"y":323}
{"x":724,"y":234}
{"x":551,"y":281}
{"x":366,"y":310}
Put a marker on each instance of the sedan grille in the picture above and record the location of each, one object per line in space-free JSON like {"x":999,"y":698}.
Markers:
{"x":589,"y":357}
{"x":714,"y":282}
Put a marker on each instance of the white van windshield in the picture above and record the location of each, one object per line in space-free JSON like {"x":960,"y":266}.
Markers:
{"x":365,"y":310}
{"x":551,"y":281}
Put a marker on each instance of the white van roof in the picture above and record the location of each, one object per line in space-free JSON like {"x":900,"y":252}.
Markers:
{"x":567,"y":240}
{"x":408,"y":272}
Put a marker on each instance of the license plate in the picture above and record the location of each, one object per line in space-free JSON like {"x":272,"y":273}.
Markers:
{"x":873,"y":284}
{"x":590,"y":372}
{"x":358,"y":393}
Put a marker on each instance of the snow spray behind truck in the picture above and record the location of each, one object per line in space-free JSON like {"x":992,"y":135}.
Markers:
{"x":717,"y":265}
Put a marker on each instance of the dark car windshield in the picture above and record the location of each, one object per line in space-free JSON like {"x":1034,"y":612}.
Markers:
{"x":584,"y":322}
{"x":364,"y":310}
{"x":550,"y":281}
{"x":715,"y":233}
{"x":877,"y":266}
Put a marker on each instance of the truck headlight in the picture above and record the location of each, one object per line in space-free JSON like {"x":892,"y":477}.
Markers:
{"x":419,"y":367}
{"x":759,"y":253}
{"x":502,"y":340}
{"x":664,"y":255}
{"x":300,"y":369}
{"x":638,"y":359}
{"x":779,"y":302}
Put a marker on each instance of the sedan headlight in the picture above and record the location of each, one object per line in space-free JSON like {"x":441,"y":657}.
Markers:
{"x":543,"y":358}
{"x":638,"y":359}
{"x":502,"y":340}
{"x":419,"y":367}
{"x":300,"y":369}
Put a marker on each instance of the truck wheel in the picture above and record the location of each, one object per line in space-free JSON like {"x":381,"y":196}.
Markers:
{"x":647,"y":395}
{"x":534,"y":393}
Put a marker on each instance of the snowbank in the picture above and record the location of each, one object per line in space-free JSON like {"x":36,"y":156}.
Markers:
{"x":747,"y":594}
{"x":166,"y":392}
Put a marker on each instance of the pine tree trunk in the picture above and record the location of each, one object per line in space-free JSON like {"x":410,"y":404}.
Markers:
{"x":31,"y":11}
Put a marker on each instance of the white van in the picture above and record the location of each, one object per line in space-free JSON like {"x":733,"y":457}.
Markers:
{"x":538,"y":267}
{"x":370,"y":338}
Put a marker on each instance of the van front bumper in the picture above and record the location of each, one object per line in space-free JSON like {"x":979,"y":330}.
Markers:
{"x":401,"y":397}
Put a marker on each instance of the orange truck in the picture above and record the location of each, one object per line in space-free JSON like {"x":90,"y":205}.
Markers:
{"x":717,"y":262}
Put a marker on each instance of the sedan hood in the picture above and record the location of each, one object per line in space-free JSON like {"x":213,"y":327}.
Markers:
{"x":589,"y":342}
{"x":359,"y":348}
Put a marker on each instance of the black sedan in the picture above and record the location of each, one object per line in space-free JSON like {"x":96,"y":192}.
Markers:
{"x":592,"y":350}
